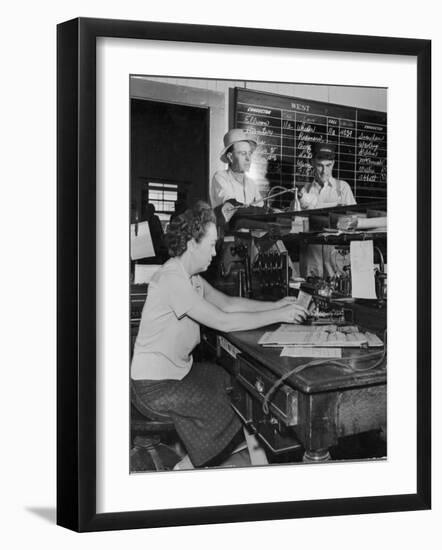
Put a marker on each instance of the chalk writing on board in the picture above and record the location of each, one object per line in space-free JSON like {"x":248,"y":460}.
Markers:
{"x":260,"y":131}
{"x":303,"y":107}
{"x":287,"y":128}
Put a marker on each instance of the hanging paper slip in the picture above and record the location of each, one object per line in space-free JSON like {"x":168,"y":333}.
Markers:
{"x":362,"y":270}
{"x":141,"y":245}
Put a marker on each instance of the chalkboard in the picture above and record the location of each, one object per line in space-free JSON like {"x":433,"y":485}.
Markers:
{"x":287,"y":127}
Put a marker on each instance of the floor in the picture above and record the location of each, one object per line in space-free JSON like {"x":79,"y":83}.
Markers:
{"x":164,"y":456}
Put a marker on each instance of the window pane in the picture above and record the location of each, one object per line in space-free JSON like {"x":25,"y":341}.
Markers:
{"x":163,"y":196}
{"x":170,"y":195}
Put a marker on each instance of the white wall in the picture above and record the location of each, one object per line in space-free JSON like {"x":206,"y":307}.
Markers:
{"x":365,"y":98}
{"x":186,"y":90}
{"x":28,"y":275}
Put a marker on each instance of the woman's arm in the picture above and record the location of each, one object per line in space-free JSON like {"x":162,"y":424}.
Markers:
{"x":232,"y":304}
{"x":212,"y":316}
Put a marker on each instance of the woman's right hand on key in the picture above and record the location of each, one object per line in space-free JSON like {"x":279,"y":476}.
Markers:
{"x":293,"y":313}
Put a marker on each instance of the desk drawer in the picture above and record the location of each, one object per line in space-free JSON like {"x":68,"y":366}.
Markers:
{"x":283,"y":402}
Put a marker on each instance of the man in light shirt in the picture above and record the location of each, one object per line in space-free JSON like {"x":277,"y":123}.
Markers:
{"x":234,"y":185}
{"x":324,"y":191}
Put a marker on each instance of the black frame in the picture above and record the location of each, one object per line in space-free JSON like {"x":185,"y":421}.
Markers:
{"x":76,"y":222}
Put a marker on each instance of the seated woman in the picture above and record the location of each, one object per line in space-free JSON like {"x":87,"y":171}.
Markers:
{"x":164,"y":378}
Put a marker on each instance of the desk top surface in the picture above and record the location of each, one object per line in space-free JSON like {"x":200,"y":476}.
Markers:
{"x":324,"y":377}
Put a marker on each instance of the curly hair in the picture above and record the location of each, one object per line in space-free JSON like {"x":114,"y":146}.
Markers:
{"x":190,"y":224}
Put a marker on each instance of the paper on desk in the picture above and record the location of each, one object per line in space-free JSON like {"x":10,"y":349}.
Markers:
{"x":288,"y":333}
{"x":141,"y":245}
{"x":266,"y":339}
{"x":362,"y":269}
{"x":285,"y":331}
{"x":325,"y":336}
{"x":311,"y":352}
{"x":283,"y":335}
{"x":290,"y":328}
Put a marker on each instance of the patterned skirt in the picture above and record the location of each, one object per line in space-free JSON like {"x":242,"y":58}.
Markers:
{"x":198,"y":405}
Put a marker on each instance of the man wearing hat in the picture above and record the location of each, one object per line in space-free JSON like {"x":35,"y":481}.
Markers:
{"x":233,"y":185}
{"x":323,"y":192}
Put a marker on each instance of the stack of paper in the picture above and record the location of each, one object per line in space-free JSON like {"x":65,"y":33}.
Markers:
{"x":321,"y":353}
{"x":327,"y":336}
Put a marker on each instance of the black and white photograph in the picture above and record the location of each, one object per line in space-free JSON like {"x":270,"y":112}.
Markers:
{"x":243,"y":258}
{"x":220,"y":262}
{"x":258,"y":273}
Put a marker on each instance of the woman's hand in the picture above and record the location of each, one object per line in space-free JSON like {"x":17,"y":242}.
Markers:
{"x":293,"y":313}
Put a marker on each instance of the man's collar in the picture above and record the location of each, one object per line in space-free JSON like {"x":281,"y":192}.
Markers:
{"x":239,"y":177}
{"x":331,"y":183}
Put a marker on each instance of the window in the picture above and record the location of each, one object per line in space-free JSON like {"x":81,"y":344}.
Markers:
{"x":163,"y":197}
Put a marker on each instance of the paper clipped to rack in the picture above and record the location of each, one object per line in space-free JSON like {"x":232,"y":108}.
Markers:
{"x":141,"y":245}
{"x":362,"y":270}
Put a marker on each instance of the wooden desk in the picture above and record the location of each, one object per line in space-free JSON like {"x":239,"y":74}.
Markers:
{"x":318,"y":405}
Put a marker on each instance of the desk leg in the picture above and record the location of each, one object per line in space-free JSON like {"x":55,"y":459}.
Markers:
{"x":321,"y":455}
{"x":318,"y":430}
